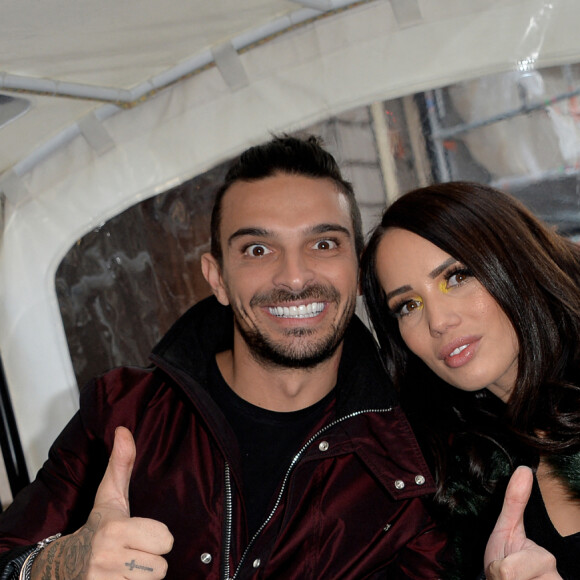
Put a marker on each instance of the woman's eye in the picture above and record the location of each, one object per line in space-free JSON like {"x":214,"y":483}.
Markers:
{"x":325,"y":245}
{"x":458,"y":278}
{"x":257,"y":250}
{"x":408,"y":307}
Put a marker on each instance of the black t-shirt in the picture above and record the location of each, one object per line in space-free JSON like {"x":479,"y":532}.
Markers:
{"x":540,"y":529}
{"x":268,"y":441}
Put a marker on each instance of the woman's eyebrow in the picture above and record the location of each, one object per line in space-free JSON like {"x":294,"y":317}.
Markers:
{"x":433,"y":274}
{"x":441,"y":268}
{"x":398,"y":291}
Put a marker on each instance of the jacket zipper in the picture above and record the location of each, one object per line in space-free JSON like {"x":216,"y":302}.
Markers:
{"x":295,"y":460}
{"x":228,"y":524}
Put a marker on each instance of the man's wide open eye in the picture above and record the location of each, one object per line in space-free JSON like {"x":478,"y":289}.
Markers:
{"x":256,"y":250}
{"x":325,"y":245}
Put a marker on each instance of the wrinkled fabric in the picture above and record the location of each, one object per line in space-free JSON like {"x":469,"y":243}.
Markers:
{"x":353,"y":507}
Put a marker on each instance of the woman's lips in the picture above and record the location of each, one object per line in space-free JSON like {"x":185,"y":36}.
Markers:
{"x":459,"y":351}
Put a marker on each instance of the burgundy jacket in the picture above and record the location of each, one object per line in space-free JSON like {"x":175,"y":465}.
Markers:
{"x":352,"y":504}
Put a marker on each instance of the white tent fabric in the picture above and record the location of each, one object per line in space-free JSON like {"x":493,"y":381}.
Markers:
{"x":69,"y":164}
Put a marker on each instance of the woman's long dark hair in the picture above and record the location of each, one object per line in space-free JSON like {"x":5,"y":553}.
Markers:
{"x":534,"y":275}
{"x":532,"y":272}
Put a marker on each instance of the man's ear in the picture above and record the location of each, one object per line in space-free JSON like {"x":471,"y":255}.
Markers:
{"x":212,"y":273}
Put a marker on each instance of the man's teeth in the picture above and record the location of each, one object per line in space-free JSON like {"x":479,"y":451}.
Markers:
{"x":302,"y":311}
{"x":459,"y":349}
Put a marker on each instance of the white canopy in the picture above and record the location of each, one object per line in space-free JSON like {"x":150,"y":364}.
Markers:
{"x":130,"y":97}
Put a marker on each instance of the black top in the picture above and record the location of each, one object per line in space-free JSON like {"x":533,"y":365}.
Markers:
{"x":268,"y":441}
{"x":540,"y":529}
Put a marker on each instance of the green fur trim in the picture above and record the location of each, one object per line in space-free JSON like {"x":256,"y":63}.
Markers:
{"x":567,"y":468}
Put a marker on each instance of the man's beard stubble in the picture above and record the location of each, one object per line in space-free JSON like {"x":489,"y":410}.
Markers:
{"x":301,"y":356}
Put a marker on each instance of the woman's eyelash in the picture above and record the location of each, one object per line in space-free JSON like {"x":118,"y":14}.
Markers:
{"x":458,"y":270}
{"x":412,"y":304}
{"x":397,"y":309}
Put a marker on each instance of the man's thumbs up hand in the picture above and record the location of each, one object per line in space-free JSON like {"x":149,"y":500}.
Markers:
{"x":509,"y":553}
{"x":111,"y":543}
{"x":113,"y":493}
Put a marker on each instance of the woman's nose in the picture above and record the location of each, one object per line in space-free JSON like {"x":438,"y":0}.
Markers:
{"x":442,"y":317}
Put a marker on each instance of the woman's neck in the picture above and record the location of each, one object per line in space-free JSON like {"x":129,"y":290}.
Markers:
{"x":563,"y":509}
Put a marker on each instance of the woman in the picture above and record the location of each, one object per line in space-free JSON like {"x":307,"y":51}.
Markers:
{"x":476,"y":306}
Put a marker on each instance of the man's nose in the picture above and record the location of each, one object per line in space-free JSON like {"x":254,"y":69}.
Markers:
{"x":295,"y":271}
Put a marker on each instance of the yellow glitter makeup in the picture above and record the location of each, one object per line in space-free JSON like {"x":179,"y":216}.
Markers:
{"x":443,"y":287}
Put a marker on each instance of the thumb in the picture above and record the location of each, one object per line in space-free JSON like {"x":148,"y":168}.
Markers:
{"x":113,"y":491}
{"x":509,"y":533}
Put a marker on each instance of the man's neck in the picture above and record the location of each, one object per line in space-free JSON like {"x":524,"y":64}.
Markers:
{"x":276,"y":388}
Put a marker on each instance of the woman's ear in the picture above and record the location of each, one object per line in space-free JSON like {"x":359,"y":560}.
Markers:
{"x":212,"y":273}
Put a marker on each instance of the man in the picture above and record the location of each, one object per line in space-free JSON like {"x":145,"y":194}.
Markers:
{"x":265,"y":442}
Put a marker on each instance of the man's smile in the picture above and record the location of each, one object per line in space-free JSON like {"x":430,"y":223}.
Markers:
{"x":303,"y":311}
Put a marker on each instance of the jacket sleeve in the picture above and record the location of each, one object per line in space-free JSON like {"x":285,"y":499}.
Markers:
{"x":62,"y":495}
{"x":59,"y":499}
{"x":426,"y":556}
{"x":12,"y":561}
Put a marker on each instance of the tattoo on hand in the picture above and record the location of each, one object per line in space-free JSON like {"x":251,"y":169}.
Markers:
{"x":132,"y":565}
{"x":68,"y":557}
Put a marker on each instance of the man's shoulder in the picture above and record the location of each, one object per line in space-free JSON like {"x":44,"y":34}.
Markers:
{"x":121,"y":381}
{"x":125,"y":391}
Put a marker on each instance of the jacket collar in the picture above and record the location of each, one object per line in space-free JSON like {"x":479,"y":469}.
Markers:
{"x":363,"y":385}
